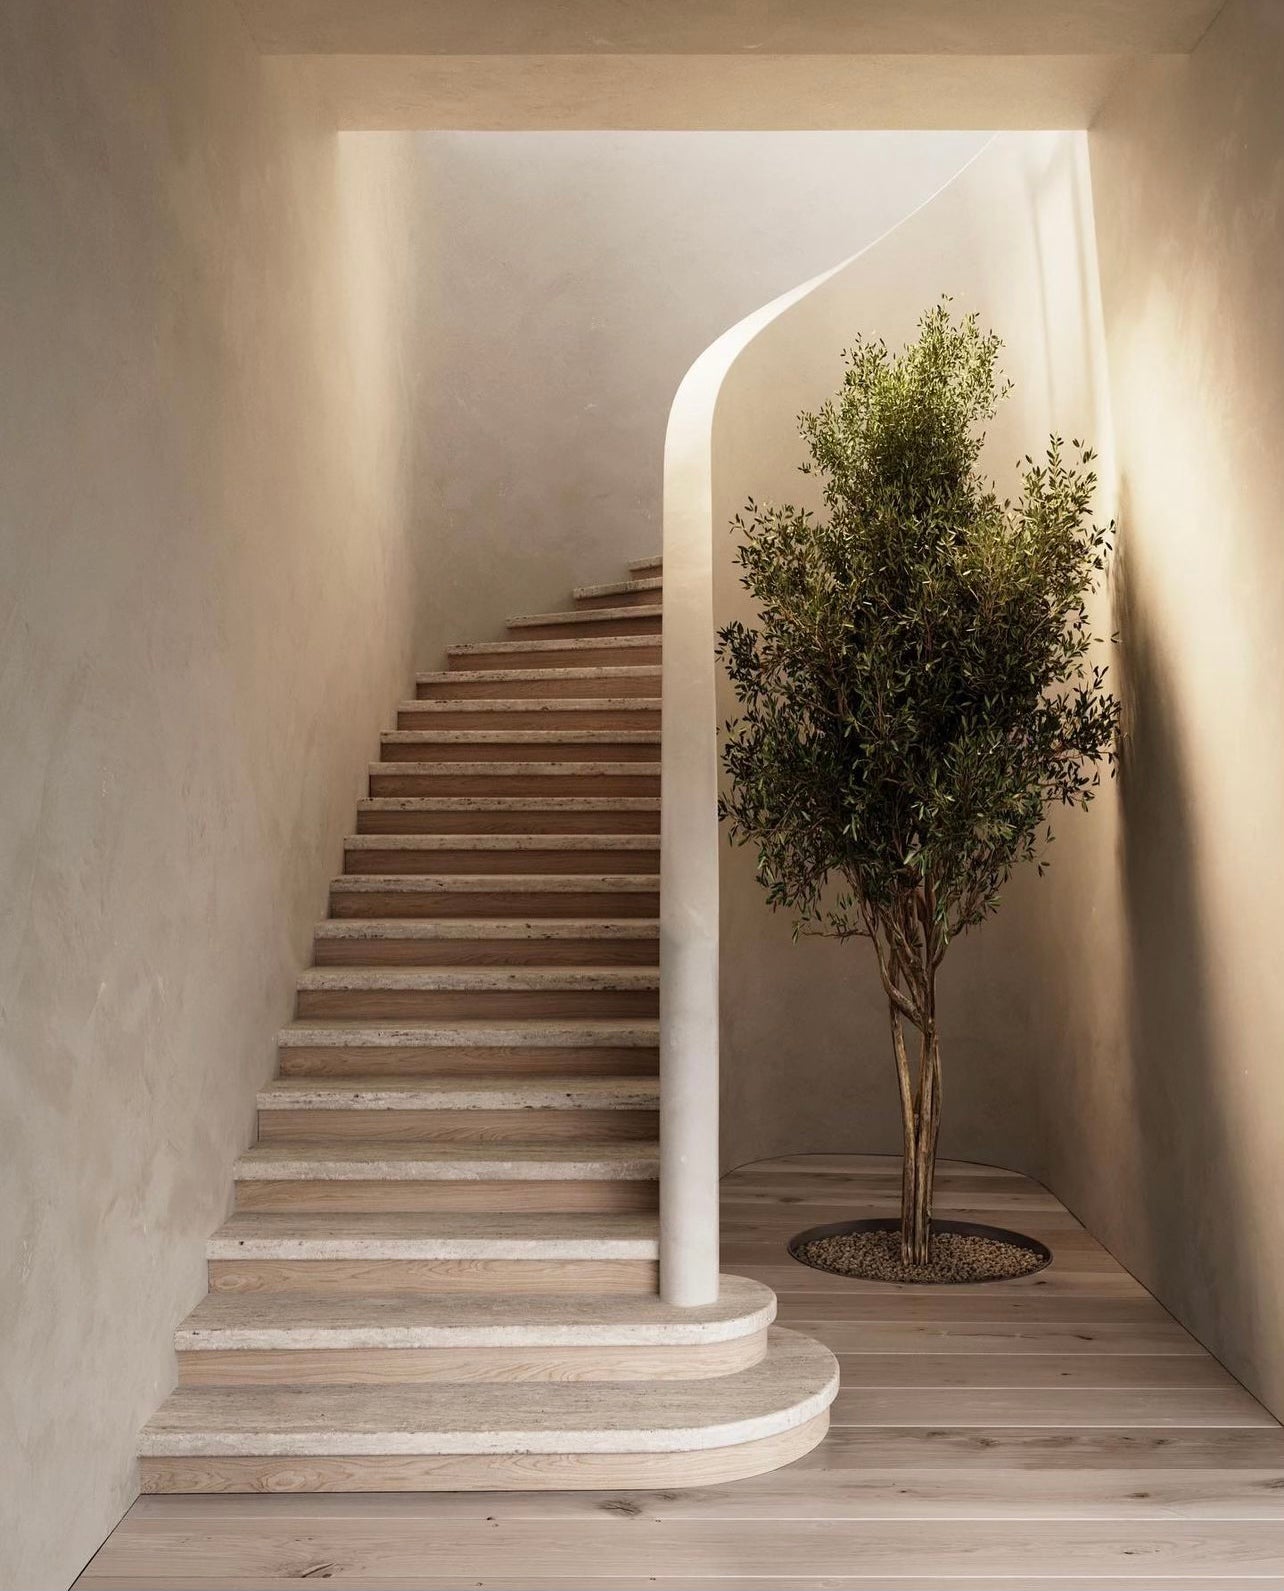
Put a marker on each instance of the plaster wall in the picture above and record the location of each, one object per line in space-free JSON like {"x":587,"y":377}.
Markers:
{"x":580,"y":275}
{"x":806,"y":1061}
{"x":1165,"y":1113}
{"x":205,"y":615}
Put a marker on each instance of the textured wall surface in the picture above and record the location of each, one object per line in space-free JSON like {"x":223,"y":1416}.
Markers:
{"x":806,"y":1057}
{"x":579,"y":277}
{"x":1165,"y":1115}
{"x":204,"y":620}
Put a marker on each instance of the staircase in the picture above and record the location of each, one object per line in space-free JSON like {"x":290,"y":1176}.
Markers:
{"x":441,"y":1269}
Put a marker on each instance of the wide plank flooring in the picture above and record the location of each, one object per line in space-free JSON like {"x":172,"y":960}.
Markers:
{"x":1056,"y":1432}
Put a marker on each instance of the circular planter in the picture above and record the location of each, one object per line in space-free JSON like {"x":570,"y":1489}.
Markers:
{"x":994,"y":1234}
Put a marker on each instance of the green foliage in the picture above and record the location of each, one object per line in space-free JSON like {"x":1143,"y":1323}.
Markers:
{"x":918,"y":691}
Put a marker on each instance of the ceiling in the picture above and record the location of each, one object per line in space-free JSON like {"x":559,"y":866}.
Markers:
{"x":525,"y":64}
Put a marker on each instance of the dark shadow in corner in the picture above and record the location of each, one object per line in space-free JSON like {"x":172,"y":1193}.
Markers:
{"x":1184,"y":1237}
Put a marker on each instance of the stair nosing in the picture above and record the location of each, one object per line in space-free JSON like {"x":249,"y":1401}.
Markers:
{"x":556,"y":1417}
{"x":523,"y":621}
{"x":500,"y":928}
{"x":557,"y":980}
{"x":649,"y":769}
{"x":621,"y":1322}
{"x":475,"y":1033}
{"x":480,"y":1093}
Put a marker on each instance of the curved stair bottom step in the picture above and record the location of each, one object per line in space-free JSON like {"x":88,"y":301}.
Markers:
{"x":495,"y":1436}
{"x":485,"y":1472}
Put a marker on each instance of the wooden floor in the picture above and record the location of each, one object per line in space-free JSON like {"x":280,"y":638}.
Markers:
{"x":1058,"y":1431}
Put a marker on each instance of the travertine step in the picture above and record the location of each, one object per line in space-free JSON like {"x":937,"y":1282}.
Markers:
{"x":487,"y":1109}
{"x":493,"y":1433}
{"x":320,"y":1339}
{"x":533,"y":712}
{"x":359,"y":1160}
{"x":510,"y":855}
{"x":422,"y":942}
{"x":600,"y":1047}
{"x":645,"y":566}
{"x":317,"y":1338}
{"x":520,"y":745}
{"x":437,"y":993}
{"x":374,"y":1094}
{"x":641,"y":591}
{"x":499,"y":895}
{"x":538,"y":683}
{"x":586,"y":651}
{"x":509,"y":815}
{"x":642,"y":620}
{"x":441,"y":1253}
{"x":515,"y":778}
{"x":434,"y":1174}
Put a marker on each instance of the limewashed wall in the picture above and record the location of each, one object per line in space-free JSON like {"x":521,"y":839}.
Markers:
{"x":205,"y":616}
{"x":579,"y":276}
{"x":1169,"y":1138}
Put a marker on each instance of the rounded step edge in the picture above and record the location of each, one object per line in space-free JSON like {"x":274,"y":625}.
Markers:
{"x":296,"y":1321}
{"x":790,"y":1389}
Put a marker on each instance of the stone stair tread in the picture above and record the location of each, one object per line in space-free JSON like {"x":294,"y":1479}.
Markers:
{"x":394,"y":1234}
{"x":488,"y":928}
{"x":565,"y":643}
{"x":656,"y":561}
{"x":531,"y":704}
{"x":490,"y":803}
{"x":502,"y":842}
{"x":416,"y":1320}
{"x":527,"y":770}
{"x":458,"y":676}
{"x":584,"y":616}
{"x":356,"y":1160}
{"x":478,"y":1093}
{"x":529,"y":1032}
{"x":522,"y":737}
{"x":481,"y":978}
{"x":794,"y":1383}
{"x":619,"y":588}
{"x":500,"y":883}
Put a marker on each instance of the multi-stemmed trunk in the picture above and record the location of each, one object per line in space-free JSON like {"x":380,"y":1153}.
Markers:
{"x":910,"y":941}
{"x":920,"y":1096}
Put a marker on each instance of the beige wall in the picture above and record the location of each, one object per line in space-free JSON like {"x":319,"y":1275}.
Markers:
{"x":1165,"y":1115}
{"x":580,"y":275}
{"x":806,"y":1061}
{"x":205,"y":616}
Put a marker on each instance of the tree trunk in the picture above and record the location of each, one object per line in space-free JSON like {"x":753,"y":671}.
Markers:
{"x":921,"y":1127}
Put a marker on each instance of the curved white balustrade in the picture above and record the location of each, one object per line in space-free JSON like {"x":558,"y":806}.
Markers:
{"x":1007,"y":237}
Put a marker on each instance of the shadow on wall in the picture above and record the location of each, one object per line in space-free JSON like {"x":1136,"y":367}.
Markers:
{"x":1176,"y":1111}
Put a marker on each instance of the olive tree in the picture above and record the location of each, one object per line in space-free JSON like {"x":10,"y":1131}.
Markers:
{"x":919,"y":688}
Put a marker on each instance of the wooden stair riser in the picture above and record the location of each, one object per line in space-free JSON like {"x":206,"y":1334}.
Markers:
{"x":429,"y":715}
{"x":501,"y":820}
{"x":411,"y":1060}
{"x":485,"y":1471}
{"x":257,"y":1367}
{"x":650,"y":595}
{"x":511,"y":751}
{"x":458,"y":1126}
{"x":351,"y":1197}
{"x":498,"y":903}
{"x":540,"y":1276}
{"x":500,"y":1004}
{"x":613,"y":622}
{"x":518,"y":654}
{"x":506,"y":863}
{"x":389,"y":952}
{"x":387,"y":779}
{"x":572,"y":683}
